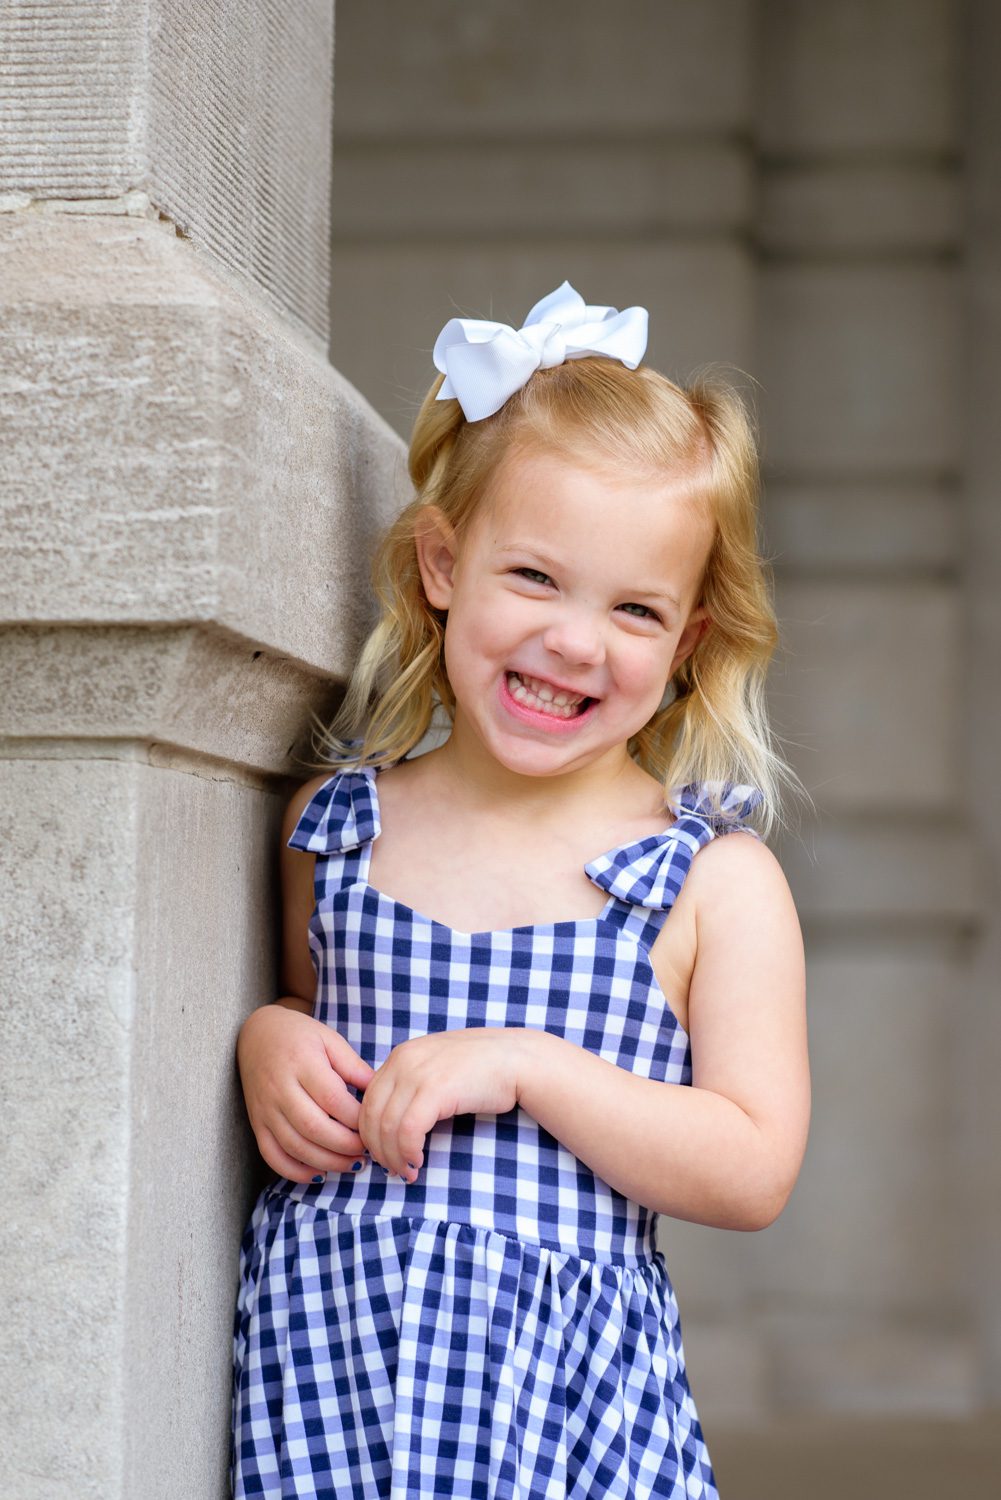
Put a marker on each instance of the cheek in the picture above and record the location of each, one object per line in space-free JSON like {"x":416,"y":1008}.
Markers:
{"x":643,"y":668}
{"x":476,"y":637}
{"x":499,"y":622}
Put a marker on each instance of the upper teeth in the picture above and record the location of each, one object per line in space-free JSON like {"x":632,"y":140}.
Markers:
{"x":525,"y":688}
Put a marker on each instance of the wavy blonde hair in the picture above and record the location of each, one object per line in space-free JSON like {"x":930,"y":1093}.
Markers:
{"x":715,"y":726}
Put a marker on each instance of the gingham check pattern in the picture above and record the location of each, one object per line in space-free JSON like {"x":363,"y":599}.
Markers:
{"x":504,"y":1328}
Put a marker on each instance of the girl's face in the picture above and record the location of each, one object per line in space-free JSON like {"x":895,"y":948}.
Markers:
{"x":570,"y":606}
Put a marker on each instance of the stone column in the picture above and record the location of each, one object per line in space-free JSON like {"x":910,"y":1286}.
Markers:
{"x":980,"y":543}
{"x":190,"y":493}
{"x":859,"y":1291}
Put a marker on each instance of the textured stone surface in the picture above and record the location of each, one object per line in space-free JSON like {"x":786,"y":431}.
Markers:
{"x":208,"y":465}
{"x":860,"y":207}
{"x":71,"y":122}
{"x":239,"y":140}
{"x":140,"y":904}
{"x":206,"y":940}
{"x":196,"y":691}
{"x":221,"y":114}
{"x":68,"y":870}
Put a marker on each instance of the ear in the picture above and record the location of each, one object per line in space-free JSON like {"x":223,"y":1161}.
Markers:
{"x":696,"y":625}
{"x":437,"y":550}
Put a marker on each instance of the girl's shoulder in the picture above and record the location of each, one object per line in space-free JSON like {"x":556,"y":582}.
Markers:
{"x":738,"y":881}
{"x":650,"y":871}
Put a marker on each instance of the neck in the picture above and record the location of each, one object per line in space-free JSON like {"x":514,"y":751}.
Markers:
{"x":477,"y":781}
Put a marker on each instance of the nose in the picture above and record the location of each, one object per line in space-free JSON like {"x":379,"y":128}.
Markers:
{"x":577,"y":636}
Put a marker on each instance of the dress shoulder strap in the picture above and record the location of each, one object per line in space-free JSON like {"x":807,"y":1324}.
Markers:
{"x":651,"y":871}
{"x":341,"y":815}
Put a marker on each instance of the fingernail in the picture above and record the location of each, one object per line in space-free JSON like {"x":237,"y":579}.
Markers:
{"x":357,"y":1166}
{"x":318,"y":1178}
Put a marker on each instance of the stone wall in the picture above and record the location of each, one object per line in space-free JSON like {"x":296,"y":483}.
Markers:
{"x":190,"y":491}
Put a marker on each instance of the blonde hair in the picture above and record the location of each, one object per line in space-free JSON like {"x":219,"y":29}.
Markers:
{"x":715,"y":727}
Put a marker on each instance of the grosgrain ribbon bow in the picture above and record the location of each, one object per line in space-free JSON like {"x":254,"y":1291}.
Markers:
{"x":484,"y":363}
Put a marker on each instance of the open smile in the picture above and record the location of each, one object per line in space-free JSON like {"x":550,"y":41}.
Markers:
{"x":535,"y":701}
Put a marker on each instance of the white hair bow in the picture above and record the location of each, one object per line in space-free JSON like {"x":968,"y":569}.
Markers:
{"x":484,"y":363}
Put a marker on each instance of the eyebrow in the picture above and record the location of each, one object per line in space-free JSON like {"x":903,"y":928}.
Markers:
{"x":523,"y":548}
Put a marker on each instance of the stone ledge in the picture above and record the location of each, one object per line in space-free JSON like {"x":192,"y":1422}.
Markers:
{"x":862,"y":208}
{"x":878,"y":869}
{"x":200,"y":463}
{"x":889,"y":527}
{"x":563,"y":187}
{"x":184,"y":690}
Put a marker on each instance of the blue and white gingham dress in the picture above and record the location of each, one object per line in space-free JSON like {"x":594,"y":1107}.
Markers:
{"x":504,"y":1328}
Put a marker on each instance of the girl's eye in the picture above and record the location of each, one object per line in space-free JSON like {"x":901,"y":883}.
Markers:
{"x":534,"y":574}
{"x":646,"y":613}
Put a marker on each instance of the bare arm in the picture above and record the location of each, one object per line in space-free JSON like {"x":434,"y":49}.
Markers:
{"x":726,"y":1150}
{"x":293,"y":1068}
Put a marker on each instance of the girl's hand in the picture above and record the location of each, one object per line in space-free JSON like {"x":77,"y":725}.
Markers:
{"x":430,"y":1078}
{"x":294,"y":1070}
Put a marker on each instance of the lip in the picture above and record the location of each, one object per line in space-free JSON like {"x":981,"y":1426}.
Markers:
{"x":548,"y":723}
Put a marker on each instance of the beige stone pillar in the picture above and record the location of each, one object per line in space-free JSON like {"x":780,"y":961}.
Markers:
{"x":980,"y":543}
{"x":189,"y":492}
{"x":859,"y":1291}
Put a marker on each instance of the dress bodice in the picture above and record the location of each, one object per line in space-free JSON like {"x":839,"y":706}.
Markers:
{"x":386,"y":972}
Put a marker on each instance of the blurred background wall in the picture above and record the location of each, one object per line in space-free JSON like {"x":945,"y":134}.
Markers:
{"x":809,"y":193}
{"x":214,"y":341}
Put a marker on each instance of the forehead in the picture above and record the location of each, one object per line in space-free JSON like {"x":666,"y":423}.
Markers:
{"x":597,"y":513}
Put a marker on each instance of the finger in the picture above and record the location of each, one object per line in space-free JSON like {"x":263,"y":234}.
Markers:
{"x":399,"y":1130}
{"x":406,"y":1125}
{"x":371,"y":1118}
{"x":279,"y":1160}
{"x":345,"y":1060}
{"x":311,"y":1123}
{"x":318,"y":1158}
{"x":329,"y":1092}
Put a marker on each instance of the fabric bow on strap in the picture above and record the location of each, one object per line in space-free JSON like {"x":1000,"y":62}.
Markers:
{"x":484,"y":363}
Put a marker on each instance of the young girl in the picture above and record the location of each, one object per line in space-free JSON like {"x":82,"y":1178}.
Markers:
{"x":521,"y":1019}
